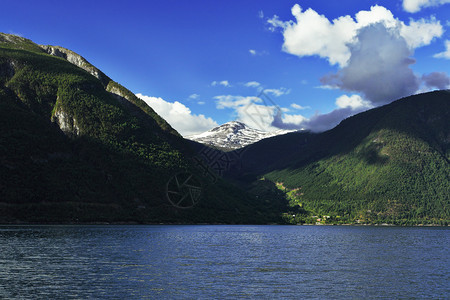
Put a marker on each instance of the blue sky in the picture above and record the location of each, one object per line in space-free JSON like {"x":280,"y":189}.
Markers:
{"x":204,"y":63}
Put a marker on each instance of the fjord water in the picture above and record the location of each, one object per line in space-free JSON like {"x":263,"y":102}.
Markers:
{"x":220,"y":261}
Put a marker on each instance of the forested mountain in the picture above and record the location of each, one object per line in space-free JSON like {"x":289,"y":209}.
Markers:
{"x":76,"y":146}
{"x":389,"y":164}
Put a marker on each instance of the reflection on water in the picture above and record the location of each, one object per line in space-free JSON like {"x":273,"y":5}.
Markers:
{"x":136,"y":262}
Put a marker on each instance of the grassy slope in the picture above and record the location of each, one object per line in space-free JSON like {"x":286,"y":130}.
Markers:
{"x":115,"y":168}
{"x":390,"y":164}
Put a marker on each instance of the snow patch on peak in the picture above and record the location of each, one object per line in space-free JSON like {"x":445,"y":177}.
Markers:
{"x":233,"y":135}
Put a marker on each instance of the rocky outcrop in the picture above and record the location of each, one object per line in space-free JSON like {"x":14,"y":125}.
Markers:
{"x":77,"y":60}
{"x":114,"y":89}
{"x":67,"y":123}
{"x":11,"y":38}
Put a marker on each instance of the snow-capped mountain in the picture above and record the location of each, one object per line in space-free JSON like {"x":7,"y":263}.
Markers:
{"x":233,"y":135}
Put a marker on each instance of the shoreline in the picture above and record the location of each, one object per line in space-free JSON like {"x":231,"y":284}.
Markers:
{"x":132,"y":223}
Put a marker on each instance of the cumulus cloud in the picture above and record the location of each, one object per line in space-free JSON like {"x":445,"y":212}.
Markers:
{"x":414,"y":6}
{"x":258,"y":113}
{"x":439,"y":80}
{"x":355,"y":102}
{"x":446,"y":53}
{"x":179,"y":116}
{"x":224,"y":83}
{"x":313,"y":34}
{"x":373,"y":52}
{"x":378,"y":66}
{"x":194,"y":96}
{"x":252,"y":52}
{"x":422,"y":32}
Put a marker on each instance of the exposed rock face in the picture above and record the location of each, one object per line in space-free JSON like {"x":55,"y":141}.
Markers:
{"x":116,"y":91}
{"x":75,"y":59}
{"x":11,"y":38}
{"x":67,"y":123}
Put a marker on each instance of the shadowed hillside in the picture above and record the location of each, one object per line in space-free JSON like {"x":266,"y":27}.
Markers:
{"x":76,"y":146}
{"x":389,"y":164}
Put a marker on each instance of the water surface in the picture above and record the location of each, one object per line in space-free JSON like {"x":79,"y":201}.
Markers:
{"x":219,"y":261}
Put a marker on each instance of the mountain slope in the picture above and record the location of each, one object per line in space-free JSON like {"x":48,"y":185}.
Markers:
{"x":389,"y":164}
{"x":233,"y":135}
{"x":77,"y":147}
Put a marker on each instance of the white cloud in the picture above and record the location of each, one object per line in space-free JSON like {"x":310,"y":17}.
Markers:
{"x":414,"y":6}
{"x":275,"y":23}
{"x":299,"y":107}
{"x":277,"y":92}
{"x":194,"y":96}
{"x":179,"y":116}
{"x":294,"y":119}
{"x":313,"y":34}
{"x":421,"y":33}
{"x":253,"y":52}
{"x":224,"y":83}
{"x":354,"y":102}
{"x":201,"y":102}
{"x":254,"y":84}
{"x":446,"y":53}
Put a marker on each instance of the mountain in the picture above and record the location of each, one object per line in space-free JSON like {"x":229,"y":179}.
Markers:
{"x":390,"y":164}
{"x":75,"y":146}
{"x":233,"y":135}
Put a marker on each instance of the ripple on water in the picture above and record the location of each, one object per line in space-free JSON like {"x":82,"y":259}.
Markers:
{"x":136,"y":262}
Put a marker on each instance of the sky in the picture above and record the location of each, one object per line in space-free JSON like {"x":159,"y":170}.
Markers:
{"x":304,"y":64}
